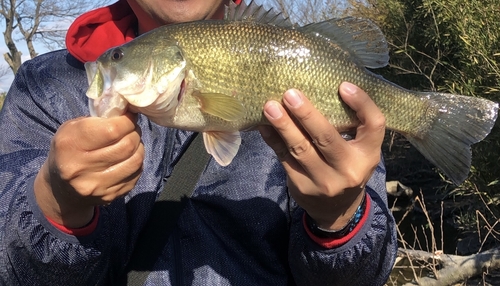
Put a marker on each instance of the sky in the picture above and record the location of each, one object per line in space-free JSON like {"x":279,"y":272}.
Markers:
{"x":6,"y":80}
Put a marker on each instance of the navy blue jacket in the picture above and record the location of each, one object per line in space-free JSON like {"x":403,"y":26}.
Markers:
{"x":239,"y":228}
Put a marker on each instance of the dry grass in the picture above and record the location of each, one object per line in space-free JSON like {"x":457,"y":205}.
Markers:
{"x":439,"y":218}
{"x":431,"y":237}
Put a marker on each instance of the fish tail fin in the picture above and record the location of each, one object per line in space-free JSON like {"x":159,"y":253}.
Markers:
{"x":459,"y":121}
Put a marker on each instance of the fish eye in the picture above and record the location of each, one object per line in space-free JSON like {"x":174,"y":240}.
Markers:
{"x":117,"y":54}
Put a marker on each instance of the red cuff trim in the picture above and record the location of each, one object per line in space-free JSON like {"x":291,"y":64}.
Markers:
{"x":336,"y":242}
{"x":81,"y":231}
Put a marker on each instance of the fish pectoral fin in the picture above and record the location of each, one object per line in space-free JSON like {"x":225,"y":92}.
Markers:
{"x":220,"y":105}
{"x":223,"y":146}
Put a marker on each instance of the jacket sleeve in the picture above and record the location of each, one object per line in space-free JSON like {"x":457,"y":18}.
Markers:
{"x":46,"y":92}
{"x":365,"y":259}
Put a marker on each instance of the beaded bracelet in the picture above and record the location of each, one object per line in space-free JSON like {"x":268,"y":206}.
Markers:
{"x":337,"y":233}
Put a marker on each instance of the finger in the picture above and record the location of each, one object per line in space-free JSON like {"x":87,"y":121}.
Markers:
{"x":121,"y":173}
{"x":318,"y":128}
{"x":297,"y":143}
{"x":117,"y":152}
{"x":273,"y":139}
{"x":371,"y":130}
{"x":296,"y":173}
{"x":294,"y":149}
{"x":101,"y":132}
{"x":120,"y":189}
{"x":127,"y":167}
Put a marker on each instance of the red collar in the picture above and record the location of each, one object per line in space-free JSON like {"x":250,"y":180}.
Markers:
{"x":96,"y":31}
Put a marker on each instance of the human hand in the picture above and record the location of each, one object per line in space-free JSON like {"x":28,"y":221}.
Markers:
{"x":92,"y":161}
{"x":327,"y":177}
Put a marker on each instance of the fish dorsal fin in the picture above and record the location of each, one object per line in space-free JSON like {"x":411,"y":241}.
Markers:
{"x":224,"y":106}
{"x":360,"y":37}
{"x":255,"y":13}
{"x":223,"y":146}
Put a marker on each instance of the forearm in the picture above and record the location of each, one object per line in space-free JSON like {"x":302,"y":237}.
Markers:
{"x":31,"y":248}
{"x":36,"y":251}
{"x":52,"y":203}
{"x":364,"y":259}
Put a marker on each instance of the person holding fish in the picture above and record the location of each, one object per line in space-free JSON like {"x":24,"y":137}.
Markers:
{"x":292,"y":203}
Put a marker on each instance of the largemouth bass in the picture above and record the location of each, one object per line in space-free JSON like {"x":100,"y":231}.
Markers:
{"x":215,"y":76}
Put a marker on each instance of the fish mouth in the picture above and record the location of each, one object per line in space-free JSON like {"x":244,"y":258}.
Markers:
{"x":111,"y":94}
{"x":138,"y":90}
{"x":100,"y":80}
{"x":102,"y":100}
{"x":91,"y":70}
{"x":181,"y":91}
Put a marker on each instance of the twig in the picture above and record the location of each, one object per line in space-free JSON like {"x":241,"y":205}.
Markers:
{"x":455,"y":268}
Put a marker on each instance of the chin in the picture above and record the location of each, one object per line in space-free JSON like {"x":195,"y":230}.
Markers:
{"x":180,"y":11}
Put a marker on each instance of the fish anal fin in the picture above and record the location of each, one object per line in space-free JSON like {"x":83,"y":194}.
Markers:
{"x":220,"y":105}
{"x":223,"y":146}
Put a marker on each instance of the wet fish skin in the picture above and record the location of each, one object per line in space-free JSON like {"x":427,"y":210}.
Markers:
{"x":215,"y":76}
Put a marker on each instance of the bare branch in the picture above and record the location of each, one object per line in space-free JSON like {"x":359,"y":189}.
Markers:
{"x":304,"y":12}
{"x":455,"y":268}
{"x":38,"y":21}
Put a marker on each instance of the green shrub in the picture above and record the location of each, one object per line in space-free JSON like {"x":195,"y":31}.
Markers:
{"x":449,"y":46}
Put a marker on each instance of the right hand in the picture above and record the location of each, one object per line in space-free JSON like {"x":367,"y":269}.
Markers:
{"x":92,"y":161}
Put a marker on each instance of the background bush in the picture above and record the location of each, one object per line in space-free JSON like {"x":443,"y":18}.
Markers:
{"x":449,"y":46}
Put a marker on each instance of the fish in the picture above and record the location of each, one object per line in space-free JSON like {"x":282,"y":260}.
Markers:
{"x":214,"y":77}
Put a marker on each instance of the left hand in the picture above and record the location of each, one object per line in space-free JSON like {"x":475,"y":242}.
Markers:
{"x":326,"y":174}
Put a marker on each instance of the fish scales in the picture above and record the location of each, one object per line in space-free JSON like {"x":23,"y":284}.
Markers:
{"x":215,"y":76}
{"x":256,"y":62}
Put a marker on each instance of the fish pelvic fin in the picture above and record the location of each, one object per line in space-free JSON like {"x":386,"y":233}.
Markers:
{"x":253,"y":12}
{"x":223,"y":146}
{"x":460,"y":122}
{"x":220,"y":105}
{"x":361,"y":38}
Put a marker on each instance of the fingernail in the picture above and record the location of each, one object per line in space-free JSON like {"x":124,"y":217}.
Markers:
{"x":349,"y":88}
{"x":273,"y":110}
{"x":293,"y":98}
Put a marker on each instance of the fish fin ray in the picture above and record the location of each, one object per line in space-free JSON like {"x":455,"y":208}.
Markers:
{"x":94,"y":79}
{"x":224,"y":106}
{"x":461,"y":122}
{"x":253,"y":12}
{"x":364,"y":40}
{"x":223,"y":146}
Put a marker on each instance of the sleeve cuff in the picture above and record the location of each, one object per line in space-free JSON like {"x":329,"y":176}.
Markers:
{"x":81,"y":231}
{"x":336,"y":242}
